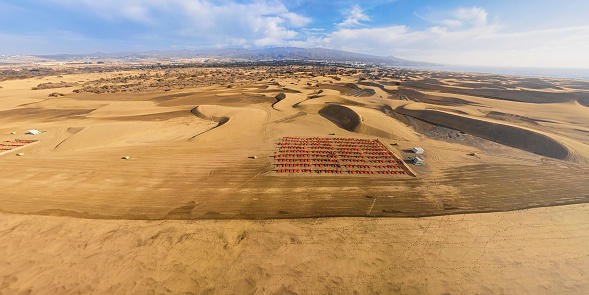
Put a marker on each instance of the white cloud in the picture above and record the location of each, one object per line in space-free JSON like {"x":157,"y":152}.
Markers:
{"x":475,"y":15}
{"x":136,"y":13}
{"x":461,"y":17}
{"x":274,"y":33}
{"x":459,"y":36}
{"x":453,"y":23}
{"x":222,"y":23}
{"x":468,"y":39}
{"x":354,"y":16}
{"x":295,"y":20}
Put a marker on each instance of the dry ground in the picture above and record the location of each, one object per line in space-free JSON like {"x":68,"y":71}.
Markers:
{"x":191,"y":157}
{"x":535,"y":251}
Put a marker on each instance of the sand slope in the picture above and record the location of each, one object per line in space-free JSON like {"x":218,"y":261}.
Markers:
{"x":234,"y":123}
{"x":538,"y":251}
{"x":518,"y":137}
{"x":366,"y":121}
{"x":208,"y":153}
{"x":199,"y":209}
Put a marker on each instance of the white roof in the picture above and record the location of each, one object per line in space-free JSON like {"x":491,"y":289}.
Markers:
{"x":34,"y":132}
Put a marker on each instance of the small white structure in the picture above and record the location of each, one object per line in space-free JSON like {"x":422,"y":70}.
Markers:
{"x":34,"y":132}
{"x":418,"y":161}
{"x":417,"y":150}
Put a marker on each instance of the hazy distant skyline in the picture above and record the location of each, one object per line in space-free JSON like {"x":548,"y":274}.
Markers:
{"x":492,"y":33}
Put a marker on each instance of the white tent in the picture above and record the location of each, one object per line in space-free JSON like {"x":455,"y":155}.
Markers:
{"x":34,"y":132}
{"x":417,"y":150}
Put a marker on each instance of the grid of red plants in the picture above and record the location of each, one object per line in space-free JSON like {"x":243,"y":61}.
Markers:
{"x":10,"y":145}
{"x":336,"y":156}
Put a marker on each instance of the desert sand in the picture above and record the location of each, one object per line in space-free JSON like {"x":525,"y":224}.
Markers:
{"x":166,"y":182}
{"x":535,"y":251}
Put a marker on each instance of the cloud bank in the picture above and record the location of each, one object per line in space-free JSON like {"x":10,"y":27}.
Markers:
{"x":460,"y":35}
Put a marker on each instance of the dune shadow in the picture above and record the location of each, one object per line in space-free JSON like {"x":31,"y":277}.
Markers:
{"x":521,"y":138}
{"x":341,"y":116}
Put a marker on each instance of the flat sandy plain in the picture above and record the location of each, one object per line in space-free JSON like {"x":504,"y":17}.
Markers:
{"x":499,"y":207}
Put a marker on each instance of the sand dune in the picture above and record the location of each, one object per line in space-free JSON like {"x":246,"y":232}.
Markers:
{"x":350,"y":119}
{"x":517,"y":137}
{"x":289,"y":102}
{"x":199,"y":206}
{"x":212,"y":141}
{"x":343,"y":116}
{"x":126,"y":109}
{"x":367,"y":121}
{"x":106,"y":135}
{"x":236,"y":123}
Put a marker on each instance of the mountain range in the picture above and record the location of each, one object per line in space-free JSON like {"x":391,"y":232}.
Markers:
{"x":239,"y":54}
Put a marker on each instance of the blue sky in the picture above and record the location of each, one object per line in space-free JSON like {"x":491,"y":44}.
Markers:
{"x":526,"y":33}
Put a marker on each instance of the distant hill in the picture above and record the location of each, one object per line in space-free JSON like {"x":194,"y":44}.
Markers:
{"x":276,"y":53}
{"x":293,"y":53}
